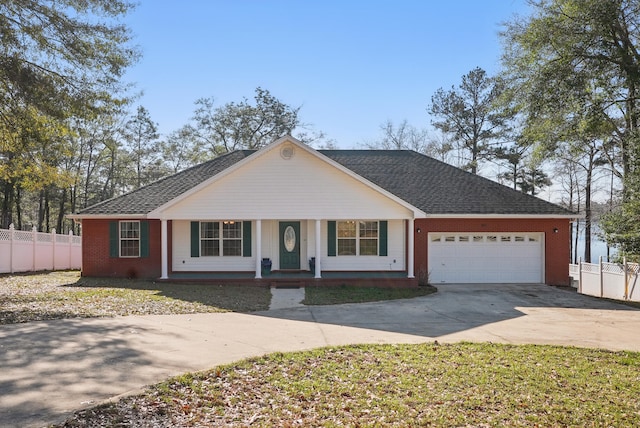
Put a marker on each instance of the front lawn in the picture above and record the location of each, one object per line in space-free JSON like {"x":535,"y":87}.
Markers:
{"x":64,"y":294}
{"x":477,"y":385}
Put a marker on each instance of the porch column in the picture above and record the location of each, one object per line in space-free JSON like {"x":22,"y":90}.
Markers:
{"x":258,"y":249}
{"x":164,"y":253}
{"x":318,"y":273}
{"x":411,"y":245}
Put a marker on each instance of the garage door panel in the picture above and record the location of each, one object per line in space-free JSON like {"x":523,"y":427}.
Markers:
{"x":493,"y":257}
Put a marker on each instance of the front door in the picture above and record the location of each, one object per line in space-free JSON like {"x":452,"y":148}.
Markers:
{"x":289,"y":245}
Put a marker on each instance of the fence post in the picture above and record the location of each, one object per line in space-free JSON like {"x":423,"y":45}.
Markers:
{"x":34,"y":241}
{"x":580,"y":275}
{"x":11,"y":228}
{"x":70,"y":247}
{"x":601,"y":276}
{"x":625,"y":269}
{"x":53,"y":241}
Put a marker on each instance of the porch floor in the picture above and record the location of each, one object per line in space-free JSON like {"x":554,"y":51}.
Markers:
{"x":301,"y":278}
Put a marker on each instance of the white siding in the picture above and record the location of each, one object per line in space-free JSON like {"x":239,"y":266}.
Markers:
{"x":182,"y":261}
{"x":303,"y":187}
{"x":395,"y":260}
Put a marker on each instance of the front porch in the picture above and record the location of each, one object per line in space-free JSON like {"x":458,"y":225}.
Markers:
{"x":299,"y":279}
{"x":313,"y":251}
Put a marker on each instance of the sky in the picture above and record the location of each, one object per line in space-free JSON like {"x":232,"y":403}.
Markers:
{"x":351,"y":65}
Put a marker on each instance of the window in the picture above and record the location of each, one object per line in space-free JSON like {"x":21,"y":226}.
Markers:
{"x":209,"y":238}
{"x":347,"y":238}
{"x":358,"y":238}
{"x":220,"y":238}
{"x":368,"y":238}
{"x":129,"y":239}
{"x":231,"y":238}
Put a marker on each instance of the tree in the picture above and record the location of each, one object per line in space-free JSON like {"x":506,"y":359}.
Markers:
{"x":180,"y":150}
{"x":574,"y":68}
{"x":401,"y":137}
{"x":60,"y":60}
{"x":242,"y":125}
{"x":621,"y":226}
{"x":513,"y":156}
{"x":468,"y":114}
{"x":141,"y":135}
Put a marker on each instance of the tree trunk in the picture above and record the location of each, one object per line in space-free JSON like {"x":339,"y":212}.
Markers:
{"x":61,"y":211}
{"x":41,"y":211}
{"x":47,"y":217}
{"x":18,"y":207}
{"x":7,"y":205}
{"x":575,"y":240}
{"x":587,"y":216}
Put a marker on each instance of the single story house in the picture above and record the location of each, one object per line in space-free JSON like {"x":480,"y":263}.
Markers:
{"x":323,"y":215}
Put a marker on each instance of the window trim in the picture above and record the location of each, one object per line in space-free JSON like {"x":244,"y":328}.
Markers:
{"x":358,"y":239}
{"x":121,"y":239}
{"x":221,"y":239}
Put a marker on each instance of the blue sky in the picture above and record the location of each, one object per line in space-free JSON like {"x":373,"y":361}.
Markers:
{"x":351,"y":65}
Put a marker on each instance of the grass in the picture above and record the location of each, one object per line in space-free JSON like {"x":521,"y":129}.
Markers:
{"x":64,"y":294}
{"x":395,"y":385}
{"x":347,"y":294}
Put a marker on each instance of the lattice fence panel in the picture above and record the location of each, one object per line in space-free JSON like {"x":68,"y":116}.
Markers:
{"x":44,"y":237}
{"x":19,"y":235}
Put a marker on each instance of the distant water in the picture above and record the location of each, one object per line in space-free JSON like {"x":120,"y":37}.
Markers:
{"x":598,"y":248}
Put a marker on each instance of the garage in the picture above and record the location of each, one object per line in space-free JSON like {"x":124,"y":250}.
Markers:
{"x":486,"y":258}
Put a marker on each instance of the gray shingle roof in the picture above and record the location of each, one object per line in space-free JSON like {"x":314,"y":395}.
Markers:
{"x":428,"y":184}
{"x":148,"y":198}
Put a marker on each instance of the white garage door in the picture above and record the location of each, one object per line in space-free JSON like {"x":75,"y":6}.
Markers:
{"x":485,"y":258}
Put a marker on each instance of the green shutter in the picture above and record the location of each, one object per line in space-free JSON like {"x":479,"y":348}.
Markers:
{"x":382,"y":243}
{"x":331,"y":238}
{"x":246,"y":239}
{"x":195,"y":239}
{"x":113,"y":239}
{"x":144,"y":239}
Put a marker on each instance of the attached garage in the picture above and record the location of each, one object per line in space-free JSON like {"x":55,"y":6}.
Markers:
{"x":486,"y":257}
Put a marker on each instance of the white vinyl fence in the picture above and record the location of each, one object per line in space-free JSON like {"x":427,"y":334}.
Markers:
{"x":610,"y":280}
{"x":25,"y":251}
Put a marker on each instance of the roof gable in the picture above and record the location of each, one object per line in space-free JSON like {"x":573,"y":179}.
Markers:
{"x":286,"y":179}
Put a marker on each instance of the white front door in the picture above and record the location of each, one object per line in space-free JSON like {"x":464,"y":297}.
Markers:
{"x":486,"y":257}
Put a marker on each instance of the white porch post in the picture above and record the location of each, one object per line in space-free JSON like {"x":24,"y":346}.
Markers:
{"x":164,"y":252}
{"x":258,"y":249}
{"x":411,"y":245}
{"x":318,"y":273}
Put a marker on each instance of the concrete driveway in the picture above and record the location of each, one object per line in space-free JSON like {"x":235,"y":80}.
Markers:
{"x":48,"y":369}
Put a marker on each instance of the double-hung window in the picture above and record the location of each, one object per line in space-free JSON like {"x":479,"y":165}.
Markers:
{"x":357,"y":238}
{"x":209,"y":238}
{"x":129,"y":239}
{"x":220,"y":238}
